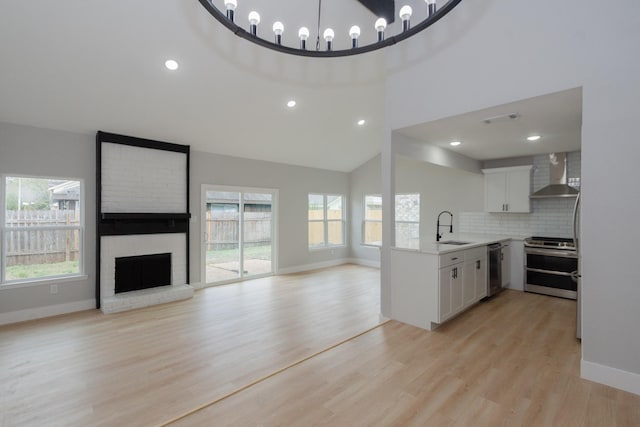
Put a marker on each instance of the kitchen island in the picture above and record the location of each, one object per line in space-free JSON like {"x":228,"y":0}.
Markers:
{"x":440,"y":280}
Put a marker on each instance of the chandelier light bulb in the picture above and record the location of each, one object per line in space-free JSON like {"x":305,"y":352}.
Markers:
{"x":303,"y":33}
{"x":231,"y":7}
{"x":405,"y":16}
{"x":380,"y":25}
{"x":431,"y":6}
{"x":328,"y":37}
{"x":278,"y":29}
{"x":354,"y":33}
{"x":254,"y":20}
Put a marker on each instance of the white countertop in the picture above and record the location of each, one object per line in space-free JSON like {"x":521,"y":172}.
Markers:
{"x":475,"y":240}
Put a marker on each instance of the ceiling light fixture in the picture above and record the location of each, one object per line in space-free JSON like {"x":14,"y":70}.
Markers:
{"x":171,"y":64}
{"x":501,"y":117}
{"x":291,"y":104}
{"x":455,"y":143}
{"x":361,"y":122}
{"x":432,"y":14}
{"x":533,"y":138}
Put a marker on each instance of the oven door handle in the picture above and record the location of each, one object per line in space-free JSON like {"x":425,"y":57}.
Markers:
{"x":557,"y":273}
{"x":551,"y":252}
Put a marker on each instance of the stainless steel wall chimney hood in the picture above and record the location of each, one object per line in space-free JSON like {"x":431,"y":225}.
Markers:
{"x":557,"y":179}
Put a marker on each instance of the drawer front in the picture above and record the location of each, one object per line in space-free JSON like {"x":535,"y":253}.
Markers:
{"x":451,"y":258}
{"x":475,"y":253}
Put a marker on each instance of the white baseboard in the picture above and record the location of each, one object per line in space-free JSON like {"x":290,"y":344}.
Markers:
{"x":365,"y":262}
{"x":623,"y":380}
{"x":326,"y":264}
{"x":48,"y":311}
{"x":314,"y":266}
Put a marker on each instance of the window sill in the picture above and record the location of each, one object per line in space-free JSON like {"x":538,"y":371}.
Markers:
{"x":42,"y":282}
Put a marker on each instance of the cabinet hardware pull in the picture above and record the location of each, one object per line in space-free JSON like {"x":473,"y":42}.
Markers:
{"x":453,"y":259}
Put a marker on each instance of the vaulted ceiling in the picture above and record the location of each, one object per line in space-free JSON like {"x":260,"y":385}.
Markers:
{"x":88,"y":65}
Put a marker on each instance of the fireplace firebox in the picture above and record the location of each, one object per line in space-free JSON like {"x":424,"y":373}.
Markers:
{"x":134,"y":273}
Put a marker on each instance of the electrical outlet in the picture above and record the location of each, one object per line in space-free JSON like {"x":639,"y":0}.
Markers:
{"x":53,"y":289}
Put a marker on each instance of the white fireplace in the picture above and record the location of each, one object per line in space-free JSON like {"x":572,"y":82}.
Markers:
{"x":113,"y":247}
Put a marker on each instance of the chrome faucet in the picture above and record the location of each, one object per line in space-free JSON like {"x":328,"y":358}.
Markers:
{"x":438,"y":235}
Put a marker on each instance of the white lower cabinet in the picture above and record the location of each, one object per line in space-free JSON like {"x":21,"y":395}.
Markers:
{"x":450,"y":291}
{"x":461,"y":284}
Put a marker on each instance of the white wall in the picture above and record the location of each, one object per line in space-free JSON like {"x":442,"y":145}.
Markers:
{"x":498,"y":51}
{"x":366,"y":179}
{"x":294,"y":184}
{"x":42,"y":152}
{"x":441,"y":188}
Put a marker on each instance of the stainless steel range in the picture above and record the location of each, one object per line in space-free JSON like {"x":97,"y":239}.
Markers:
{"x":549,"y":265}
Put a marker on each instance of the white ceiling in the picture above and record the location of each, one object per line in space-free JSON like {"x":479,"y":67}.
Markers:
{"x":88,"y":65}
{"x":556,"y":118}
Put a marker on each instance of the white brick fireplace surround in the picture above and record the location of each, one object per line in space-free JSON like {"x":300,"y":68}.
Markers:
{"x":113,"y":247}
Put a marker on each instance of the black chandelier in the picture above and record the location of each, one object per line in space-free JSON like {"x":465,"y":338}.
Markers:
{"x":433,"y":14}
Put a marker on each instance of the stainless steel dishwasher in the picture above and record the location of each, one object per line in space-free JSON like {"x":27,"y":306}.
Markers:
{"x":494,"y":272}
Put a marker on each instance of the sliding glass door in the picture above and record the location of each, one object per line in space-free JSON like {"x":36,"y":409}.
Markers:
{"x":238,"y":231}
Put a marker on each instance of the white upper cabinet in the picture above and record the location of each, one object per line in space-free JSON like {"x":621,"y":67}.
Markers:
{"x":507,"y":189}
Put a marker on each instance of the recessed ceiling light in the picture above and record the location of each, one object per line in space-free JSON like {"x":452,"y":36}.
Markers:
{"x":361,"y":122}
{"x":171,"y":64}
{"x":533,"y":138}
{"x":291,"y":104}
{"x":455,"y":143}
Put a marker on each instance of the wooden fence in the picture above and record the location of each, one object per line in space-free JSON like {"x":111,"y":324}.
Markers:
{"x":223,"y":229}
{"x":37,"y":246}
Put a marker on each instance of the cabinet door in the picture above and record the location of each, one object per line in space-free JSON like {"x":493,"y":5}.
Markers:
{"x":506,"y":266}
{"x":494,"y":191}
{"x":469,"y":283}
{"x":450,"y":291}
{"x":481,"y":278}
{"x":446,"y":277}
{"x":456,"y":289}
{"x":518,"y":190}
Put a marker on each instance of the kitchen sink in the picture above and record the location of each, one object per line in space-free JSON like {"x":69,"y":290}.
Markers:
{"x":454,"y":242}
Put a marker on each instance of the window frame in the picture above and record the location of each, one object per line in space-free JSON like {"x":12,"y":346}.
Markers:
{"x":363,"y":242}
{"x":325,"y":221}
{"x":4,"y":229}
{"x":396,"y":222}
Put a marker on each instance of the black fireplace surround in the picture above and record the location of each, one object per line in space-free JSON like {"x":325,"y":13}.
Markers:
{"x":138,"y":272}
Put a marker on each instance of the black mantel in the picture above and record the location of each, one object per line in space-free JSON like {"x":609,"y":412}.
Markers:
{"x":119,"y":224}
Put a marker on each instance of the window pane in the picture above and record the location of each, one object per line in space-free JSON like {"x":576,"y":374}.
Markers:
{"x":372,"y":233}
{"x":407,"y":235}
{"x":408,"y":207}
{"x":316,"y":234}
{"x":316,"y":206}
{"x":335,"y":233}
{"x":373,"y":207}
{"x":37,"y":253}
{"x":38,"y":202}
{"x":334,"y":207}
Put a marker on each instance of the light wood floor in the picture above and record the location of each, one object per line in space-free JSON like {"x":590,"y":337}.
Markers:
{"x":510,"y":361}
{"x":147,"y":366}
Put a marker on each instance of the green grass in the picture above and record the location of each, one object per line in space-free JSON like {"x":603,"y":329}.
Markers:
{"x":34,"y":271}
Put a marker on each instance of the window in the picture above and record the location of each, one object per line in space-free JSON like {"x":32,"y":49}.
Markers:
{"x":372,"y":223}
{"x":326,"y":220}
{"x":408,"y":221}
{"x":42,"y":228}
